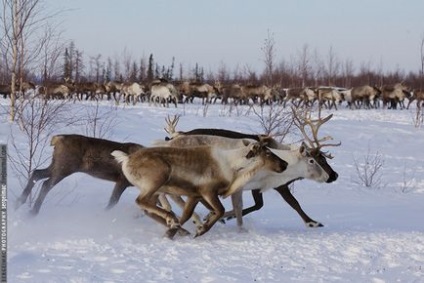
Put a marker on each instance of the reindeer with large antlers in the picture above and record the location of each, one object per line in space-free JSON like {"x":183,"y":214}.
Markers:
{"x":302,"y":120}
{"x":306,"y":161}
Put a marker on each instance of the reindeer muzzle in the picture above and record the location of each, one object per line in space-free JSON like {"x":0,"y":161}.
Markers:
{"x":333,"y":176}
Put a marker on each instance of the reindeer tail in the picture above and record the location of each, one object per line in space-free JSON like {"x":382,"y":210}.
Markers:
{"x":120,"y":156}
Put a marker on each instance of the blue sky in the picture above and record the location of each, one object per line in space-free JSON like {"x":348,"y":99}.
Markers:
{"x":382,"y":33}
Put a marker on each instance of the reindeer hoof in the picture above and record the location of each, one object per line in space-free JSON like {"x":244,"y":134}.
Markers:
{"x":231,"y":217}
{"x":171,"y":233}
{"x":172,"y":222}
{"x":183,"y":232}
{"x":201,"y":230}
{"x":314,"y":224}
{"x":241,"y":229}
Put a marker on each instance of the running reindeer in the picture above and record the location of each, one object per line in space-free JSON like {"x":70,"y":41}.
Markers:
{"x":306,"y":161}
{"x":201,"y":173}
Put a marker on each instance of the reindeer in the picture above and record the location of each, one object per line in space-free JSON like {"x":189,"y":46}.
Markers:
{"x":90,"y":89}
{"x":22,"y":88}
{"x":201,"y":173}
{"x":75,"y":153}
{"x":359,"y":96}
{"x":55,"y":91}
{"x":201,"y":90}
{"x":132,"y":91}
{"x":112,"y":88}
{"x":328,"y":95}
{"x":304,"y":162}
{"x":235,"y":92}
{"x":5,"y":90}
{"x":394,"y":94}
{"x":163,"y":92}
{"x":300,"y":96}
{"x":418,"y":95}
{"x":260,"y":93}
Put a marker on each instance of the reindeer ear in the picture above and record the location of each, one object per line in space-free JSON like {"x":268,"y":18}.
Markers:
{"x":246,"y":142}
{"x":254,"y":150}
{"x":303,"y":150}
{"x":264,"y":140}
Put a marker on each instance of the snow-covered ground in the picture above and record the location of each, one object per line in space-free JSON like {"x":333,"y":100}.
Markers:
{"x":370,"y":234}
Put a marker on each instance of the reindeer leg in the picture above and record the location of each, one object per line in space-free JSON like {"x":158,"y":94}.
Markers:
{"x":148,"y":202}
{"x":291,"y":200}
{"x":45,"y":189}
{"x":180,"y":202}
{"x":164,"y":203}
{"x":119,"y":188}
{"x":189,"y":207}
{"x":237,"y":201}
{"x":217,"y":212}
{"x":259,"y":203}
{"x":35,"y":176}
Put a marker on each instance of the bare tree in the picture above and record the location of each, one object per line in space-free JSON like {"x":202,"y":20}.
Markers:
{"x":347,"y":72}
{"x":422,"y":62}
{"x":223,"y":75}
{"x":95,"y":68}
{"x":117,"y":70}
{"x":268,"y":50}
{"x":304,"y":67}
{"x":332,"y":67}
{"x":79,"y":65}
{"x":50,"y":53}
{"x":181,"y":72}
{"x":127,"y":62}
{"x":142,"y":70}
{"x":22,"y":43}
{"x":319,"y":68}
{"x":97,"y":121}
{"x":275,"y":120}
{"x":37,"y":119}
{"x":419,"y":115}
{"x":369,"y":171}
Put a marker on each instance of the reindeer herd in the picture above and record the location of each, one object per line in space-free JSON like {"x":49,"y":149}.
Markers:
{"x":162,"y":92}
{"x":188,"y":168}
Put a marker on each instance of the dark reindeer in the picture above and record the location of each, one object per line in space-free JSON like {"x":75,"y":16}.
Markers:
{"x":76,"y":153}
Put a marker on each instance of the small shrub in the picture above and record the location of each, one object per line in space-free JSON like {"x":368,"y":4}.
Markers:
{"x":369,"y":170}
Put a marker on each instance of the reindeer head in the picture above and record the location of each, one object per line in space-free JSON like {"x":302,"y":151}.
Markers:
{"x":312,"y":146}
{"x":171,"y":125}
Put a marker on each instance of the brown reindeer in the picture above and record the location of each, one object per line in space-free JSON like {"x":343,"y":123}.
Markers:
{"x":5,"y":90}
{"x":394,"y":94}
{"x":362,"y":96}
{"x":201,"y":173}
{"x":91,"y":90}
{"x":191,"y":90}
{"x":75,"y":153}
{"x":418,"y":95}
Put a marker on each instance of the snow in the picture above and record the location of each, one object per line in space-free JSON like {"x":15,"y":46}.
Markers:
{"x":369,"y":235}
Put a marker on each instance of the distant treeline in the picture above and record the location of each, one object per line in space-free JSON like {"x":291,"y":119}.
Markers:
{"x":306,"y":70}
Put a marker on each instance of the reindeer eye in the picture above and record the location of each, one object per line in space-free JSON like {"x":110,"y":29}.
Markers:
{"x":311,"y":161}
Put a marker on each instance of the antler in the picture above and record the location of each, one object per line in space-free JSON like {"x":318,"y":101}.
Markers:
{"x":314,"y":125}
{"x":171,"y":124}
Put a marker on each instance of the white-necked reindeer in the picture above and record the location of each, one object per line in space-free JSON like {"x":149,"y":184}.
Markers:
{"x":306,"y":161}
